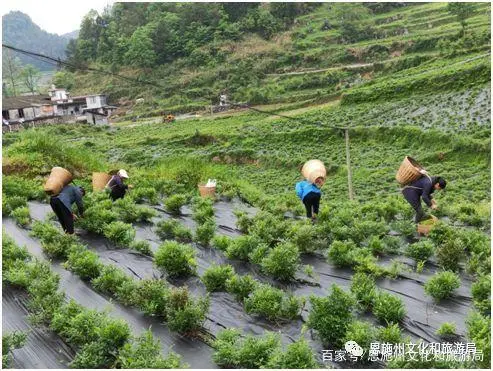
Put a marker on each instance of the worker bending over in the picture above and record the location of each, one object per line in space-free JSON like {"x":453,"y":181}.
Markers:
{"x":62,"y":206}
{"x":117,"y":186}
{"x":309,"y":194}
{"x":422,"y":188}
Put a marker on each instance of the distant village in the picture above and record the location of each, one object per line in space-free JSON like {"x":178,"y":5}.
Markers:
{"x":58,"y":106}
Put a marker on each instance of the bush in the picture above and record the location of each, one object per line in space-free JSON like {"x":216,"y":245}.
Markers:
{"x":241,"y":247}
{"x":390,"y":334}
{"x":205,"y":232}
{"x":420,"y":251}
{"x":203,"y":210}
{"x":243,"y":221}
{"x":364,"y":289}
{"x":340,"y":253}
{"x":449,"y":247}
{"x":129,"y":212}
{"x":21,"y":216}
{"x":141,"y":246}
{"x":145,"y":352}
{"x":96,"y":219}
{"x":174,"y":203}
{"x":282,"y":262}
{"x":298,"y":355}
{"x":110,"y":279}
{"x":273,"y":304}
{"x":10,"y":203}
{"x":221,"y":242}
{"x":215,"y":277}
{"x":121,"y":234}
{"x":185,"y":315}
{"x":173,"y":229}
{"x":331,"y":316}
{"x":305,"y":237}
{"x":441,"y":285}
{"x":361,"y":332}
{"x":481,"y":294}
{"x":84,"y":263}
{"x":269,"y":228}
{"x":258,"y":253}
{"x":388,"y":308}
{"x":250,"y":352}
{"x":240,"y":286}
{"x":59,"y":245}
{"x":479,"y":332}
{"x":447,"y":330}
{"x":376,"y":245}
{"x":152,"y":297}
{"x":176,"y":259}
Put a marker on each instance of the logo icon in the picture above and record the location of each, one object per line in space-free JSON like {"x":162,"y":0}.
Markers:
{"x":353,"y":348}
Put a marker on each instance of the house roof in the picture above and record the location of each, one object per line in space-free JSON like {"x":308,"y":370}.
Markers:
{"x":25,"y":101}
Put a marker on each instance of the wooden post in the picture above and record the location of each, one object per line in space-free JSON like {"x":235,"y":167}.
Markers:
{"x":348,"y":164}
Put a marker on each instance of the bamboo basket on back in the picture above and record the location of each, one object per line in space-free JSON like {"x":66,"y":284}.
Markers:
{"x":314,"y":169}
{"x":207,"y":191}
{"x":409,"y":171}
{"x":99,"y":181}
{"x":59,"y":178}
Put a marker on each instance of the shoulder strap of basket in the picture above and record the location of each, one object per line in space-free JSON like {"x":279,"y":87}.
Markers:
{"x":425,"y":173}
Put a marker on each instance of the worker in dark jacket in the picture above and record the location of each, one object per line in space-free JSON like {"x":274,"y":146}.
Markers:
{"x":62,"y":206}
{"x":117,"y":186}
{"x":309,"y":194}
{"x":422,"y":189}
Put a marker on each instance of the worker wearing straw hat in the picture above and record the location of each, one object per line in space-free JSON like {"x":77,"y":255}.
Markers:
{"x":422,"y":188}
{"x":117,"y":186}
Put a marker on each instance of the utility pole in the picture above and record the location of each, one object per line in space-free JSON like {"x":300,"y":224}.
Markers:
{"x":348,"y":165}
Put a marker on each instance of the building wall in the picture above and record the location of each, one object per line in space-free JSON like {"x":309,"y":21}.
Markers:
{"x":29,"y":113}
{"x":96,"y":101}
{"x":13,"y":114}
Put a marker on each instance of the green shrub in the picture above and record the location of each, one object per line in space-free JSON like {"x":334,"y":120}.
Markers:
{"x":449,"y":247}
{"x":481,"y":294}
{"x":420,"y":251}
{"x":174,"y":203}
{"x":121,"y":234}
{"x":21,"y":216}
{"x":268,"y":228}
{"x":441,"y":285}
{"x":110,"y":279}
{"x":479,"y":332}
{"x":240,"y":286}
{"x":259,"y":253}
{"x":376,"y":245}
{"x":282,"y":261}
{"x":58,"y":245}
{"x":364,"y":289}
{"x":215,"y":277}
{"x":152,"y":296}
{"x":273,"y":303}
{"x":185,"y":315}
{"x":331,"y":316}
{"x":141,"y":194}
{"x":340,"y":253}
{"x":10,"y":203}
{"x":145,"y":352}
{"x":142,"y":246}
{"x":305,"y":236}
{"x":203,"y":210}
{"x":129,"y":212}
{"x":173,"y":229}
{"x":243,"y":221}
{"x":388,"y":308}
{"x":241,"y":247}
{"x":96,"y":219}
{"x":221,"y":242}
{"x":205,"y":232}
{"x":250,"y":352}
{"x":361,"y":332}
{"x":84,"y":263}
{"x":176,"y":259}
{"x":446,"y":330}
{"x":389,"y":334}
{"x":392,"y":244}
{"x":298,"y":355}
{"x":11,"y":341}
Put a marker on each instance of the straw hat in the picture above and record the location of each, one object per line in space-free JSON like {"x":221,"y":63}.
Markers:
{"x":122,"y":173}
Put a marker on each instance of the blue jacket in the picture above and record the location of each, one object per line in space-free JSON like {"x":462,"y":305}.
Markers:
{"x":71,"y":194}
{"x":304,"y":187}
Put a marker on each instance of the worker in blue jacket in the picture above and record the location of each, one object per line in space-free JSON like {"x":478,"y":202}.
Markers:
{"x":310,"y":194}
{"x":422,"y":188}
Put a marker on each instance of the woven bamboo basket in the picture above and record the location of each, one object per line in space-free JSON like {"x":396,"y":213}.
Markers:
{"x":99,"y":181}
{"x":425,"y":229}
{"x":314,"y":169}
{"x":207,"y":191}
{"x":409,"y":171}
{"x":59,"y":178}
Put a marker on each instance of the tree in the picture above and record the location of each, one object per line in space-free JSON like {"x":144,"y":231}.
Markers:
{"x":12,"y":67}
{"x":140,"y":52}
{"x":30,"y":76}
{"x":462,"y":11}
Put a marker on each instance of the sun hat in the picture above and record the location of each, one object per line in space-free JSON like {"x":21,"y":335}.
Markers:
{"x":122,"y":173}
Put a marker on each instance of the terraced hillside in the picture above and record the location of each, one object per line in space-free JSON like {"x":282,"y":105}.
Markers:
{"x":244,"y":280}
